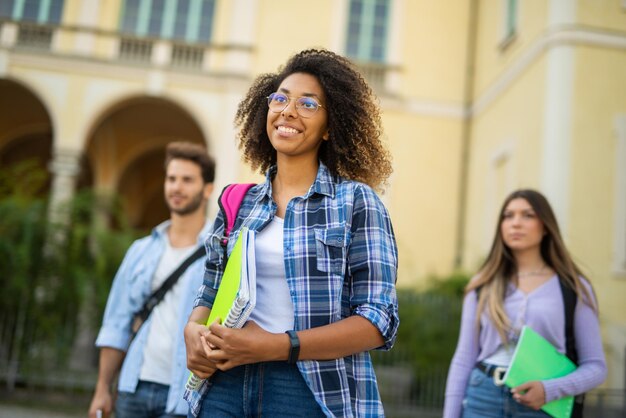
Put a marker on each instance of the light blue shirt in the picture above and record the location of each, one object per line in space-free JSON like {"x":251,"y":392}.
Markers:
{"x":131,"y":287}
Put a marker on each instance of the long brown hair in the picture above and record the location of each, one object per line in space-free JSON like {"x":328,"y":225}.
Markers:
{"x":500,"y":267}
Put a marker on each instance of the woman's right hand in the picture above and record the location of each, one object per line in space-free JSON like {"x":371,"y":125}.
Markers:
{"x":197,"y":362}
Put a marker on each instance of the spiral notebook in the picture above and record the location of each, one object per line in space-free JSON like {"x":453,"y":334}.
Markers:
{"x":236,"y":295}
{"x":535,"y":358}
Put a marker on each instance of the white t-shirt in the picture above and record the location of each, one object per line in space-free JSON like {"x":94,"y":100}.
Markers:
{"x":274,"y":308}
{"x":157,"y":357}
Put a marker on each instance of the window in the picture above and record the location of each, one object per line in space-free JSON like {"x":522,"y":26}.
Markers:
{"x":510,"y":21}
{"x":130,"y":15}
{"x":367,"y":30}
{"x":500,"y":180}
{"x":6,"y":8}
{"x":185,"y":20}
{"x":155,"y":21}
{"x":180,"y":20}
{"x":32,"y":10}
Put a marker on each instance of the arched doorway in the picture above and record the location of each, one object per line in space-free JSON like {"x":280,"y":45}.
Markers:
{"x":25,"y":136}
{"x":126,"y":150}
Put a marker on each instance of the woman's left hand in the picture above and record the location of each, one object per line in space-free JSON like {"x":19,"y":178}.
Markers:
{"x":530,"y":394}
{"x":229,"y":347}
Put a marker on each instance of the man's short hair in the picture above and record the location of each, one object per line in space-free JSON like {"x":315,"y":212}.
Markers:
{"x":192,"y":152}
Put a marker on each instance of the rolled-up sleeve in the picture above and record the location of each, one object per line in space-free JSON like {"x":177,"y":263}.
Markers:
{"x":373,"y":265}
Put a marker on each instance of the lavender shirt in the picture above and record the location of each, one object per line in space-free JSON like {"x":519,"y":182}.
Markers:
{"x":542,"y":310}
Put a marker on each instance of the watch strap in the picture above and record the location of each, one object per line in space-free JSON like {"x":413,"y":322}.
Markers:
{"x":294,"y":352}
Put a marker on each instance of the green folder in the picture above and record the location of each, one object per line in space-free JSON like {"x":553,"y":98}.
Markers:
{"x":536,"y":359}
{"x":229,"y":286}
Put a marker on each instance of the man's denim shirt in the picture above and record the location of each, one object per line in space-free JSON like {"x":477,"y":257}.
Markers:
{"x":131,"y":287}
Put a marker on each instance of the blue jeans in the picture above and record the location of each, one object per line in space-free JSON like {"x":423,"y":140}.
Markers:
{"x":148,"y":401}
{"x":483,"y":399}
{"x":272,"y":389}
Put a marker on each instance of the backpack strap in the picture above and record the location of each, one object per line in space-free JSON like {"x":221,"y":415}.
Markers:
{"x":569,"y":303}
{"x":229,"y":202}
{"x":157,"y":296}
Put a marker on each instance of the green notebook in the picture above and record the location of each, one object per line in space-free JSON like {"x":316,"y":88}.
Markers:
{"x":536,"y":359}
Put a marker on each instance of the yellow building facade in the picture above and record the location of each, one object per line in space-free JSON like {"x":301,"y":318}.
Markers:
{"x":479,"y":97}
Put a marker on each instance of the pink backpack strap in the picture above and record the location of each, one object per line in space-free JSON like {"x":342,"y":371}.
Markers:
{"x":229,"y":202}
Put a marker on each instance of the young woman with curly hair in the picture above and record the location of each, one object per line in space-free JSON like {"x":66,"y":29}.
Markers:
{"x":527,"y":279}
{"x":326,"y":256}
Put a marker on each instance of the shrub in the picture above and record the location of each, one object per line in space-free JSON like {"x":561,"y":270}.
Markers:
{"x":51,"y":275}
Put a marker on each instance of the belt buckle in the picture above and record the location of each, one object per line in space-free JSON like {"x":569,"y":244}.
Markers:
{"x":498,"y":375}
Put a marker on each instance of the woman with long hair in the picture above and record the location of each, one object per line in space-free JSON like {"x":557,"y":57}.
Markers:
{"x":524,"y":281}
{"x":326,"y":257}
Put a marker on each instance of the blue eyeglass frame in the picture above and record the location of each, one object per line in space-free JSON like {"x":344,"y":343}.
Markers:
{"x":272,"y":96}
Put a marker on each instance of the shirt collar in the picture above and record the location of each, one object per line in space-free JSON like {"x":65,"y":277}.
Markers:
{"x":160,"y":230}
{"x":324,"y":182}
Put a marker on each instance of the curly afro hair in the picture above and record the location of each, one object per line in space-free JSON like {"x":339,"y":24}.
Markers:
{"x":354,"y":149}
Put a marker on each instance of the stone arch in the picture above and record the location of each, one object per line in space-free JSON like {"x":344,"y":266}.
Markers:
{"x":26,"y":129}
{"x":126,"y":149}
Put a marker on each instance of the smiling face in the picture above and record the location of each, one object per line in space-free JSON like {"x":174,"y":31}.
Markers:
{"x":291,"y":135}
{"x":521,"y":228}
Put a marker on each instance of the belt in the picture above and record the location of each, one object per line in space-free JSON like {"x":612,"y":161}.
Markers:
{"x":491,"y":370}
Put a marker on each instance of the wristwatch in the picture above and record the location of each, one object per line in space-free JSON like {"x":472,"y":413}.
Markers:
{"x":294,"y":352}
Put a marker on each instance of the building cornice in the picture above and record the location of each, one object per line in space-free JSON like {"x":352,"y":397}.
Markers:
{"x":127,"y":72}
{"x":562,"y":36}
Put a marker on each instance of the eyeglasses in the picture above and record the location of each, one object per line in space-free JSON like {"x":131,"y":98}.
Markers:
{"x":305,"y":106}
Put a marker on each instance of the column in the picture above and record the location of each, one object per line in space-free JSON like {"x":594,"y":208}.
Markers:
{"x":65,"y":166}
{"x":557,"y":134}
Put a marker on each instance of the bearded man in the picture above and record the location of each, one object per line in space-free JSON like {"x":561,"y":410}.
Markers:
{"x":152,"y":365}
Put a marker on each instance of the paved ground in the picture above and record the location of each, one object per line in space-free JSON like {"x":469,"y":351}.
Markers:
{"x":11,"y":411}
{"x":43,"y":404}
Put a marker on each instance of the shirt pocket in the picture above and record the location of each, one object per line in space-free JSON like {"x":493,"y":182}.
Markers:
{"x":138,"y":286}
{"x":331,"y":249}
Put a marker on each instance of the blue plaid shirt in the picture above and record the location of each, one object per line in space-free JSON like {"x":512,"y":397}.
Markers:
{"x":340,"y":260}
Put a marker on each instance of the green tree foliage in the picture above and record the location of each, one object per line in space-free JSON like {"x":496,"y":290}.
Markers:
{"x":415,"y":370}
{"x":429,"y":325}
{"x":429,"y":322}
{"x":49,"y":272}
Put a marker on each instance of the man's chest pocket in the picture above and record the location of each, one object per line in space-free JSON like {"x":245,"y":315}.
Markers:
{"x":331,"y":246}
{"x":139,"y":285}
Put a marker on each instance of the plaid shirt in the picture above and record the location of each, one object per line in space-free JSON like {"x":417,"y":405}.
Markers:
{"x":340,"y":259}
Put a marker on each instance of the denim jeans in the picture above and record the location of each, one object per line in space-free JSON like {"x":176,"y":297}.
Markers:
{"x":272,"y":389}
{"x":483,"y":399}
{"x":148,"y":401}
